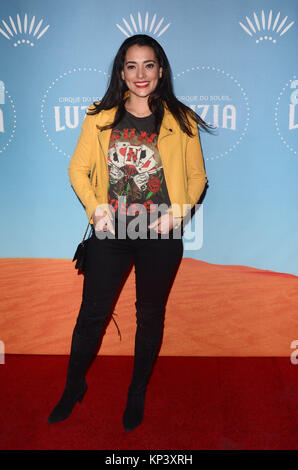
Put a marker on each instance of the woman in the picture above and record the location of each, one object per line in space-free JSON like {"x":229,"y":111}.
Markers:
{"x":138,"y":170}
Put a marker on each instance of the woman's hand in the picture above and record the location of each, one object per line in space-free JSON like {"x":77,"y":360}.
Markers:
{"x":164,"y":223}
{"x":102,"y":221}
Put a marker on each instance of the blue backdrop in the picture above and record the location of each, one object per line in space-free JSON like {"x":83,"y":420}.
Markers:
{"x":234,"y":62}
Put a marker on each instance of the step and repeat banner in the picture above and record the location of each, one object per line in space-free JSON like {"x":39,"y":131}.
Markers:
{"x":235,"y":64}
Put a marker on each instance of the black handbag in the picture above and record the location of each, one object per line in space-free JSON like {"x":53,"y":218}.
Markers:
{"x":81,"y":251}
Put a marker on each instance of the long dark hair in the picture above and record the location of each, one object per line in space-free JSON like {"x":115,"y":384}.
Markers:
{"x":117,"y":87}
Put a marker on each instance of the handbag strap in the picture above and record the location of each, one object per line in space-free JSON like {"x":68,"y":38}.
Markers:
{"x":85,"y":233}
{"x":91,"y":178}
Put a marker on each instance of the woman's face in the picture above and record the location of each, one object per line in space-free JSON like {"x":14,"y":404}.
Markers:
{"x":141,"y":70}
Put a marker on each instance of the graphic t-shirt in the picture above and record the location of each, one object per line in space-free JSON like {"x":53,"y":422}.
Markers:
{"x":136,"y":178}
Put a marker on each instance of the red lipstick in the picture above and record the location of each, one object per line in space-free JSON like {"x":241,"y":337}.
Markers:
{"x":141,"y":84}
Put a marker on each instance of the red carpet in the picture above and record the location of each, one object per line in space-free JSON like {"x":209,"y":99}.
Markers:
{"x":216,"y":403}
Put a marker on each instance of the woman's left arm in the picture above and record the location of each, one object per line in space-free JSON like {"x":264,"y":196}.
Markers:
{"x":195,"y":169}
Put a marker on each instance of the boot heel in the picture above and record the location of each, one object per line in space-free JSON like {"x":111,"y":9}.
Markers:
{"x":66,"y":404}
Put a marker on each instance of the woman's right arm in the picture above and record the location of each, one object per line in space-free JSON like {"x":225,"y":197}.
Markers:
{"x":81,"y":166}
{"x":82,"y":163}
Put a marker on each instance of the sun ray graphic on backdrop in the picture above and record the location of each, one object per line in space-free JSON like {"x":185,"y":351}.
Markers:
{"x":266,"y":28}
{"x":23,"y":32}
{"x":144,"y":25}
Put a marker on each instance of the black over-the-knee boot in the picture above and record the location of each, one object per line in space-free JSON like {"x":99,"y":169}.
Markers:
{"x":83,"y":348}
{"x":150,"y":322}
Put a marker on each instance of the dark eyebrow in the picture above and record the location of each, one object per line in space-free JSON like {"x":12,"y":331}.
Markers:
{"x":145,"y":61}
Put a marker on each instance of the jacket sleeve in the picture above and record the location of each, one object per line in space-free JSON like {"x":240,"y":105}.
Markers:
{"x":195,"y":169}
{"x":80,"y":166}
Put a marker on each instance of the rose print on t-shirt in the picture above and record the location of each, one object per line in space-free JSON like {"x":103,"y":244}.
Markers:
{"x":136,"y":177}
{"x":135,"y":167}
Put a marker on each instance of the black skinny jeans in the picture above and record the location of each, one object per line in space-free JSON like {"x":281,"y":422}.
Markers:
{"x":108,"y":261}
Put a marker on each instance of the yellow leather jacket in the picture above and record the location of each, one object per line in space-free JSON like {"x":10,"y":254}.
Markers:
{"x":181,"y":156}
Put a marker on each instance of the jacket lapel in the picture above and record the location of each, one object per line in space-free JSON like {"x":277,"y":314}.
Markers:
{"x":167,"y":129}
{"x":105,"y":117}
